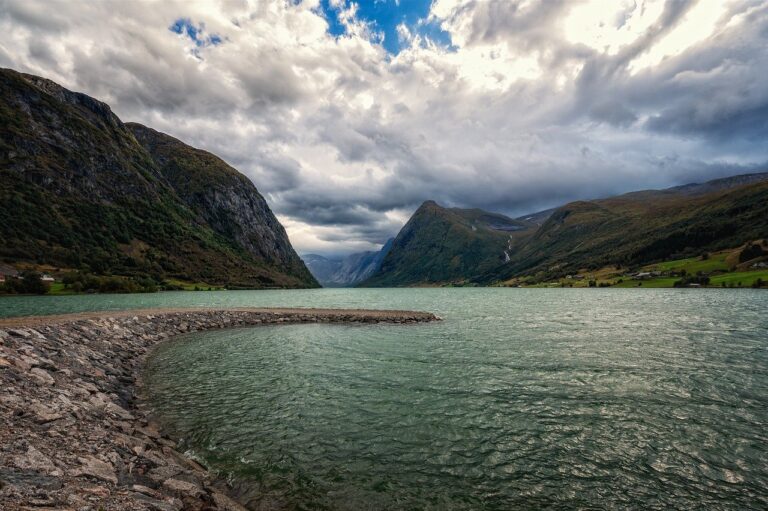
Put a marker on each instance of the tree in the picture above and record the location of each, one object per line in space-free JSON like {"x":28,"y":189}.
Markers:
{"x":750,"y":252}
{"x":30,"y":283}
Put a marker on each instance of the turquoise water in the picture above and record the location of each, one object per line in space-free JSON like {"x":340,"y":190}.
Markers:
{"x":39,"y":305}
{"x":519,"y":399}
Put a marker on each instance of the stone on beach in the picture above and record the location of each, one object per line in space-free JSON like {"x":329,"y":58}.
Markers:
{"x":72,"y":435}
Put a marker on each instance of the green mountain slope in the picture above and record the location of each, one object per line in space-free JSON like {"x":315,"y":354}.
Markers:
{"x":641,"y":228}
{"x":459,"y":246}
{"x":77,"y":190}
{"x":440,"y":245}
{"x":223,"y":199}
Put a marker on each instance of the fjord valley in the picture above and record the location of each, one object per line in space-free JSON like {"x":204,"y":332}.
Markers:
{"x":383,"y":255}
{"x":84,"y":193}
{"x":349,"y":270}
{"x":112,"y":206}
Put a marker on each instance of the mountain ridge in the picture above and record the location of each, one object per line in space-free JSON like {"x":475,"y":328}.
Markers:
{"x":629,"y":229}
{"x":79,"y":191}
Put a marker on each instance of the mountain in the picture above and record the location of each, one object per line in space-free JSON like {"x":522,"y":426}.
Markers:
{"x":458,"y":246}
{"x":447,"y":245}
{"x":642,"y":227}
{"x":349,"y":270}
{"x":537,"y":218}
{"x":80,"y":189}
{"x":717,"y":185}
{"x":356,"y":268}
{"x":322,"y":268}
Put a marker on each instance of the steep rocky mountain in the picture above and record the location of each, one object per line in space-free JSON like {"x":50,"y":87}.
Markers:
{"x":80,"y":189}
{"x":223,"y":199}
{"x":448,"y":245}
{"x":453,"y":246}
{"x":347,"y":271}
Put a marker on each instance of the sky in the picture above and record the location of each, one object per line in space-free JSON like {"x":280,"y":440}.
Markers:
{"x":347,"y":115}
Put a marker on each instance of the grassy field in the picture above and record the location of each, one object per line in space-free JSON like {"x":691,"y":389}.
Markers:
{"x":57,"y":288}
{"x":716,"y":262}
{"x":718,"y":266}
{"x":652,"y":283}
{"x":739,"y":279}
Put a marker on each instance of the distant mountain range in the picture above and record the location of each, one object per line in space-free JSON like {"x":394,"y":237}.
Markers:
{"x":441,"y":246}
{"x":80,"y":189}
{"x":346,"y":271}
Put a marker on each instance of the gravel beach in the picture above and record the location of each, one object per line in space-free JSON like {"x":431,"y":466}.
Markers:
{"x":75,"y":433}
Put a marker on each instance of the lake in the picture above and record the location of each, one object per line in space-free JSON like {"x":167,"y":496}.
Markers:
{"x":518,"y":399}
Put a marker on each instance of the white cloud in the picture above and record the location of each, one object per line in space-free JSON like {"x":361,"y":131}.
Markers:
{"x":536,"y":103}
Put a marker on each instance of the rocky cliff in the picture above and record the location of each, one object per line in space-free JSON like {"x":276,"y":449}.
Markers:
{"x":79,"y":191}
{"x":222,"y":198}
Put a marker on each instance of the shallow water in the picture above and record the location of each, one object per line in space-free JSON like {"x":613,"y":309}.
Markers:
{"x":519,"y":399}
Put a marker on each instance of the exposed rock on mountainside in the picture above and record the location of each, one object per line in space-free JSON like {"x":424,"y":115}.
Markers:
{"x":347,"y":271}
{"x":77,"y":190}
{"x":223,"y":198}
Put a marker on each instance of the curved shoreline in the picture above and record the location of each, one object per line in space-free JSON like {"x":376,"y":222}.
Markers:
{"x":73,"y":433}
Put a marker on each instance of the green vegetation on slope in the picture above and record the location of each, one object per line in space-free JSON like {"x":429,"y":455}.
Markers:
{"x":636,"y":230}
{"x":77,"y":191}
{"x":440,"y":246}
{"x":743,"y":266}
{"x":446,"y":245}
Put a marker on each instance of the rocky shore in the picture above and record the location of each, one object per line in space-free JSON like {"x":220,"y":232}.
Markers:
{"x":74,"y":435}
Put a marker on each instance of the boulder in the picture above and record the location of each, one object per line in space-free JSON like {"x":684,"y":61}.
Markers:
{"x":37,"y":461}
{"x":42,"y":376}
{"x":94,"y":467}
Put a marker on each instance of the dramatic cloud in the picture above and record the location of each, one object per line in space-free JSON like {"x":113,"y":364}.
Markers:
{"x":346,"y":115}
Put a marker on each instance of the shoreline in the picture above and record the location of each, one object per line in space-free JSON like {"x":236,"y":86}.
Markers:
{"x":76,"y":433}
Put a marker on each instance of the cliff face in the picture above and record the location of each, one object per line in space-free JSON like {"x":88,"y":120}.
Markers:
{"x":77,"y":190}
{"x":223,"y":198}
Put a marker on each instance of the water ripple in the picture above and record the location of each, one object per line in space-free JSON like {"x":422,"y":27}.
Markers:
{"x":550,"y":399}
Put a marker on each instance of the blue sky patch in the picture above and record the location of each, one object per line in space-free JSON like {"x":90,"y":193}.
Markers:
{"x":196,"y":33}
{"x":385,"y":15}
